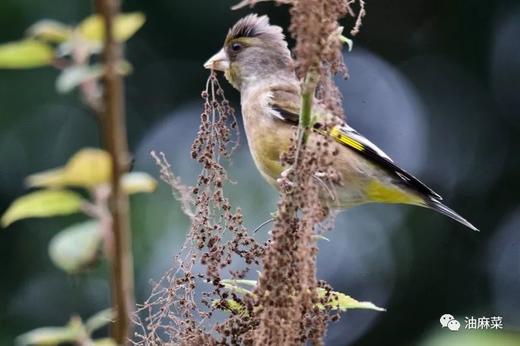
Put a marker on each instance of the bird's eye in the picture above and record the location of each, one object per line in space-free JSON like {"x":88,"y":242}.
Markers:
{"x":236,"y":47}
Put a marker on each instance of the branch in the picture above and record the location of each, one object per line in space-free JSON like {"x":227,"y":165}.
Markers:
{"x":112,"y":118}
{"x":308,"y":90}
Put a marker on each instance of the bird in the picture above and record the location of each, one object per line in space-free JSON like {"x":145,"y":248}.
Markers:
{"x":256,"y":60}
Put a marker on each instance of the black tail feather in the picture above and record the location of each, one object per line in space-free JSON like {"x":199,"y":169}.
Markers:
{"x":441,"y":208}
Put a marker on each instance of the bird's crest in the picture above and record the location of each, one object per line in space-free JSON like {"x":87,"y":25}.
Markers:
{"x":255,"y":26}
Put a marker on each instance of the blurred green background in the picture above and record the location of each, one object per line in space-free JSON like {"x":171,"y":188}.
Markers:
{"x":436,"y":84}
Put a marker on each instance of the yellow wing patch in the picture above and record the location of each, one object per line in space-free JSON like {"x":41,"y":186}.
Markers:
{"x":378,"y":192}
{"x":401,"y":188}
{"x":336,"y":133}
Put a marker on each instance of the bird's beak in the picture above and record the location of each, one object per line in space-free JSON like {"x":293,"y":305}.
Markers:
{"x":218,"y":62}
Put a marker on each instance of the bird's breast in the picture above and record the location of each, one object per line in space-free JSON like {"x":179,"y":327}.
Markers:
{"x":267,"y":139}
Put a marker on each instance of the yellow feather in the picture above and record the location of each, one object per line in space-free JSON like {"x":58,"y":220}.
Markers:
{"x":336,"y":133}
{"x":378,"y":192}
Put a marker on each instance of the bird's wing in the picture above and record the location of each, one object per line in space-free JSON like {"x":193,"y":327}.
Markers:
{"x":285,"y":107}
{"x":285,"y":103}
{"x":352,"y":139}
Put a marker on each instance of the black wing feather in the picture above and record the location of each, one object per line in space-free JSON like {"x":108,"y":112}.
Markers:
{"x":369,"y":151}
{"x":347,"y":136}
{"x":285,"y":115}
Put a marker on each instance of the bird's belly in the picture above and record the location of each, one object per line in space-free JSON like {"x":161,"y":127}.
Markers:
{"x":346,"y":196}
{"x":266,"y":156}
{"x":349,"y":192}
{"x":355,"y":176}
{"x":266,"y":143}
{"x":363,"y":182}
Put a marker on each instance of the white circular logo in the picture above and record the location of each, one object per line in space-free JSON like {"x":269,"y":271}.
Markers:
{"x":453,"y":325}
{"x":445,"y":319}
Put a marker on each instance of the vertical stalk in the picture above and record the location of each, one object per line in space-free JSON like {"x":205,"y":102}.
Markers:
{"x":308,"y":90}
{"x":115,"y":141}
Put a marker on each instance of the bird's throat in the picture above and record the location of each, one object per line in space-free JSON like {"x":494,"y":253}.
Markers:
{"x":233,"y":76}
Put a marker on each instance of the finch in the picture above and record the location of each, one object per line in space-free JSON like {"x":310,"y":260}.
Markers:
{"x":256,"y":61}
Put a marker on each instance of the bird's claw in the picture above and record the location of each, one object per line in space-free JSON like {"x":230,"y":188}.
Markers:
{"x":283,"y":181}
{"x":286,"y":172}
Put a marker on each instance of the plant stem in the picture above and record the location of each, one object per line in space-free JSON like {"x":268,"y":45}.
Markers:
{"x":308,"y":89}
{"x":307,"y":97}
{"x":115,"y":141}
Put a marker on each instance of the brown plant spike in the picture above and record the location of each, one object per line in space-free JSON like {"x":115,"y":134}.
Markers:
{"x":287,"y":291}
{"x":173,"y":314}
{"x":286,"y":294}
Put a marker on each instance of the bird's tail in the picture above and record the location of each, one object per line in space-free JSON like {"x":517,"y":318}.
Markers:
{"x":437,"y":205}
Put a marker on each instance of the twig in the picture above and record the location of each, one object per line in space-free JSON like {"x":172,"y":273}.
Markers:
{"x":359,"y":19}
{"x":181,"y":192}
{"x":114,"y":133}
{"x":308,"y":90}
{"x":251,"y":3}
{"x":263,"y":224}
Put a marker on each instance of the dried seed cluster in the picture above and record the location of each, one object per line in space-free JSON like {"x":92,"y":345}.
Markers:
{"x":286,"y":297}
{"x":314,"y":25}
{"x":214,"y":212}
{"x":217,"y":237}
{"x":284,"y":308}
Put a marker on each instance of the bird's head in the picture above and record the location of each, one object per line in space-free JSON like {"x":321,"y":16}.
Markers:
{"x":253,"y":51}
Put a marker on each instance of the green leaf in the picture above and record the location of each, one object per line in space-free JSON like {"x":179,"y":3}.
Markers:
{"x":88,"y":168}
{"x":233,"y":285}
{"x":138,"y":182}
{"x":347,"y":41}
{"x":73,"y":76}
{"x":42,"y":204}
{"x":50,"y":31}
{"x":70,"y":333}
{"x":343,"y":39}
{"x":320,"y":237}
{"x":25,"y":54}
{"x":343,"y":302}
{"x":76,"y":247}
{"x":125,"y":26}
{"x":337,"y":300}
{"x":104,"y":342}
{"x":100,"y":320}
{"x":230,"y":305}
{"x":236,"y":289}
{"x":250,"y":283}
{"x":47,"y":336}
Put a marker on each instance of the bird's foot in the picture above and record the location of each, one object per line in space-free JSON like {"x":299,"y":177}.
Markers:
{"x":284,"y":181}
{"x":286,"y":172}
